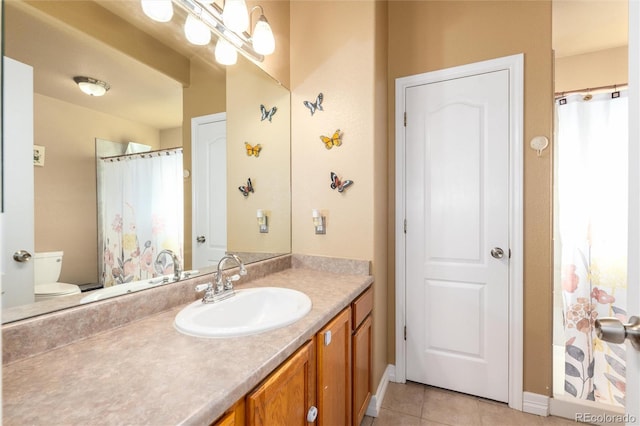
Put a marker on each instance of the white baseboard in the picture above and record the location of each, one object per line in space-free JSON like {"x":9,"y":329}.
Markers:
{"x":580,"y":410}
{"x":375,"y":403}
{"x":534,"y":403}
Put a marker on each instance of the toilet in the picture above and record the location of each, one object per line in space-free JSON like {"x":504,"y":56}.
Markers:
{"x":46,"y":271}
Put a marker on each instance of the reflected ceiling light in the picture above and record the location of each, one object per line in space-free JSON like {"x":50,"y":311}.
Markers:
{"x":91,"y":86}
{"x":235,"y":16}
{"x":262,"y":39}
{"x":225,"y":53}
{"x":196,"y":31}
{"x":158,"y":10}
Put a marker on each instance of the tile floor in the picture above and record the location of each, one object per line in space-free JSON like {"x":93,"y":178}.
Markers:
{"x":420,"y":405}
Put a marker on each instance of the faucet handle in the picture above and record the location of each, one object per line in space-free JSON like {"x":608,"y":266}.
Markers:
{"x":202,"y":287}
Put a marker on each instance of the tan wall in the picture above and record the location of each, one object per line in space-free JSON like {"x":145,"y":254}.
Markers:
{"x":348,"y":67}
{"x":431,"y":35}
{"x":269,"y":172}
{"x":65,"y":188}
{"x":170,"y":138}
{"x":595,"y":69}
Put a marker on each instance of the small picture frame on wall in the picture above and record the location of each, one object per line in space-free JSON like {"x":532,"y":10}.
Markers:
{"x":38,"y":155}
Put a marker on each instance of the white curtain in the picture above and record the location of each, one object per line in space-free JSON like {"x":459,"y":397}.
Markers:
{"x":591,"y":178}
{"x":142,"y":214}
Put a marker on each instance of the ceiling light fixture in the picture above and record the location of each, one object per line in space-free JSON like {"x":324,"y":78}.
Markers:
{"x":91,"y":86}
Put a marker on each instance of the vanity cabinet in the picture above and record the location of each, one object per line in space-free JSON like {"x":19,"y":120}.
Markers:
{"x":286,"y":396}
{"x":361,"y":354}
{"x":334,"y":371}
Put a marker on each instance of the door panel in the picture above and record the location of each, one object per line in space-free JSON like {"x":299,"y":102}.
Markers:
{"x":209,"y":164}
{"x":457,"y":175}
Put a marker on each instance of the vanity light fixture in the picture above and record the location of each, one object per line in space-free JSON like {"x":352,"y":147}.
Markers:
{"x":319,"y":222}
{"x":262,"y":38}
{"x":229,"y":24}
{"x":91,"y":86}
{"x":263,"y":221}
{"x":235,"y":16}
{"x":158,"y":10}
{"x":225,"y":53}
{"x":196,"y":31}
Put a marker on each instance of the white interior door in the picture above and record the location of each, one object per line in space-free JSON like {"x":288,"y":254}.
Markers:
{"x":209,"y":168}
{"x":17,"y":226}
{"x":457,"y":238}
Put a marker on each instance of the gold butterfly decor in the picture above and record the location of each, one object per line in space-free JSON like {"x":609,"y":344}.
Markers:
{"x":335,"y":140}
{"x":253,"y":150}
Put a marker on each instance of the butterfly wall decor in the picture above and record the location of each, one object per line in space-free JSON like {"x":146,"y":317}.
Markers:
{"x":336,"y":183}
{"x":267,"y":113}
{"x":246,"y":189}
{"x":317,"y":105}
{"x":253,"y":150}
{"x":334,"y":140}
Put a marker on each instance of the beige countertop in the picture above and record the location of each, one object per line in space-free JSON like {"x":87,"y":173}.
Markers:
{"x":147,"y":373}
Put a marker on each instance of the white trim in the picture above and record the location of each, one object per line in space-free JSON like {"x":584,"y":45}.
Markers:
{"x":633,"y":291}
{"x":534,"y":403}
{"x":515,"y":65}
{"x":588,"y":411}
{"x":375,"y":403}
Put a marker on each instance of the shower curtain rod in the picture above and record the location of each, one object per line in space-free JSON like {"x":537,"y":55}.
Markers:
{"x":591,"y":89}
{"x":158,"y":152}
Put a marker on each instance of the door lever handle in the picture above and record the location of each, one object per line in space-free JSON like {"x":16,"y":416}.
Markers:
{"x":614,"y":331}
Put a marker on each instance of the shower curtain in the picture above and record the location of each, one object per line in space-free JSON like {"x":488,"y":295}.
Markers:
{"x":591,"y":179}
{"x":141,"y":214}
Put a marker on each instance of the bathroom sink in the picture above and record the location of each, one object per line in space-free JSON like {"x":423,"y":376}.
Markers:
{"x":250,"y":311}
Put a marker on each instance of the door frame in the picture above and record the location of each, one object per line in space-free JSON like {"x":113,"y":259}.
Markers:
{"x":515,"y":65}
{"x":633,"y":303}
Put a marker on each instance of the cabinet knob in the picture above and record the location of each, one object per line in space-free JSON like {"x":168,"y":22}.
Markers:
{"x":312,"y":414}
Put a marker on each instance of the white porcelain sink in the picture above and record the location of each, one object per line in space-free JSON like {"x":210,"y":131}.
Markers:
{"x":250,"y":311}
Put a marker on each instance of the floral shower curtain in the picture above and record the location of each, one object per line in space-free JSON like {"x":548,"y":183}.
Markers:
{"x":592,"y":187}
{"x":141,"y":214}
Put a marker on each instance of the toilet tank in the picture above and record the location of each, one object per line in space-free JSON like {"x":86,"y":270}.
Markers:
{"x":47,"y":267}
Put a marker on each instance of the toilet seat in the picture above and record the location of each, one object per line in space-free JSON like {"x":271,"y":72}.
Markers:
{"x":55,"y":289}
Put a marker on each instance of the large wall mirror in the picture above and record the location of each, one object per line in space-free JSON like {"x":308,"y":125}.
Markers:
{"x":162,"y":90}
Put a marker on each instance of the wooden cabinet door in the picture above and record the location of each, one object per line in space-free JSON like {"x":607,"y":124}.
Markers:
{"x":361,"y":370}
{"x":285,"y":397}
{"x":334,"y":371}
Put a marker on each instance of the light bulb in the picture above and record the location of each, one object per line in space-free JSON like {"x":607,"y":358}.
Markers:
{"x":158,"y":10}
{"x":196,"y":31}
{"x":235,"y":15}
{"x":263,"y":40}
{"x":225,"y":53}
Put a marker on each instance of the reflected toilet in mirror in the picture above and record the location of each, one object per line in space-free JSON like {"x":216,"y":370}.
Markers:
{"x":46,"y":271}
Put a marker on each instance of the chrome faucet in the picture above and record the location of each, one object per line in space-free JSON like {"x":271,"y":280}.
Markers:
{"x":177,"y":269}
{"x":223,"y":287}
{"x":227,"y":284}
